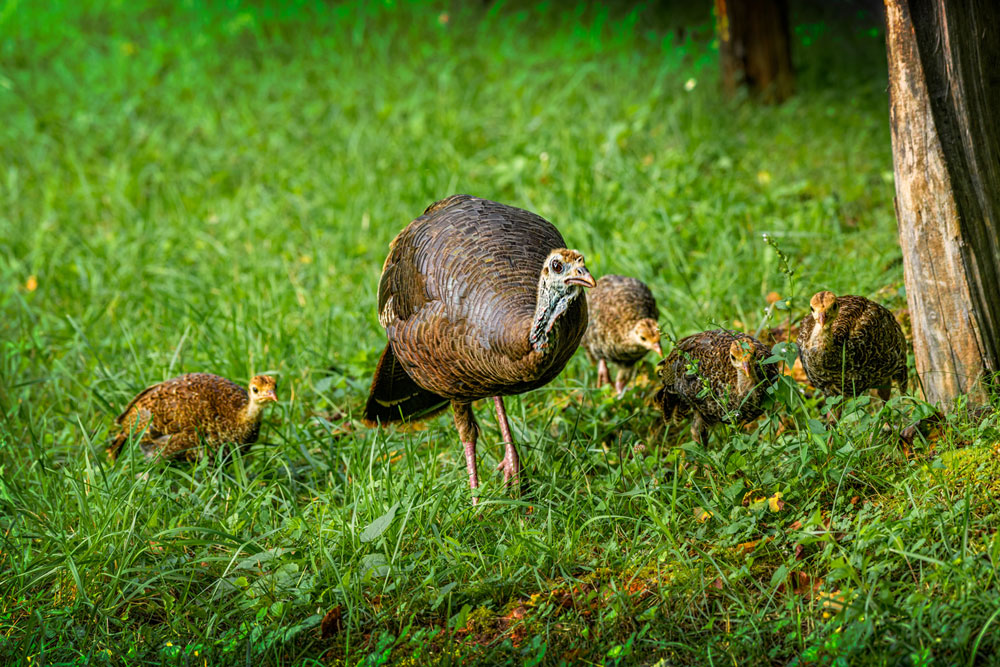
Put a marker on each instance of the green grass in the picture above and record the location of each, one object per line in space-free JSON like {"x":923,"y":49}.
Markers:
{"x":189,"y":187}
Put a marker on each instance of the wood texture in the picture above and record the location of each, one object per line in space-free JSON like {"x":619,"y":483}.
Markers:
{"x":754,"y":48}
{"x":944,"y":92}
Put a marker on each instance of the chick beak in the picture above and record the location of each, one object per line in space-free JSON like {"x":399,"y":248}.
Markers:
{"x":821,"y":317}
{"x":581,"y":277}
{"x":745,"y":365}
{"x":268,"y":397}
{"x":659,"y":350}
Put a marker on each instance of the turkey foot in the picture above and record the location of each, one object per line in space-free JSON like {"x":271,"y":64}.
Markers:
{"x":511,"y":466}
{"x":511,"y":463}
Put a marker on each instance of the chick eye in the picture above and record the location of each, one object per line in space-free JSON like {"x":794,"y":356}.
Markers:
{"x":557,"y":266}
{"x":253,"y":389}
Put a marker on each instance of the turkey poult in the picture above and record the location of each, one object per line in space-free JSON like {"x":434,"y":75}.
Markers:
{"x":729,"y":365}
{"x":478,"y":300}
{"x":172,"y":418}
{"x":849,"y":344}
{"x":622,"y":327}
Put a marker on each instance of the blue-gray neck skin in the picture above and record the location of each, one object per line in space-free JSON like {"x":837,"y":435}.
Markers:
{"x":553,"y":300}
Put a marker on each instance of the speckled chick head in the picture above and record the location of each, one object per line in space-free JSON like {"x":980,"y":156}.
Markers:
{"x":646,"y":332}
{"x":263,"y":389}
{"x":741,"y":357}
{"x":824,"y":307}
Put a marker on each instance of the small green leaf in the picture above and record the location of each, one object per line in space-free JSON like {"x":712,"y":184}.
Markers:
{"x":374,"y":565}
{"x":817,"y":427}
{"x":786,"y":351}
{"x":734,"y":490}
{"x":458,"y":620}
{"x":736,"y":462}
{"x":375,"y":529}
{"x":323,"y":384}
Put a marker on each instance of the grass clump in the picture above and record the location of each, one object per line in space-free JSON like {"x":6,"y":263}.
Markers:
{"x":212,"y":187}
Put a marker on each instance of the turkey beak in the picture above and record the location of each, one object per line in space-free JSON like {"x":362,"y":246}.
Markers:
{"x":821,"y":317}
{"x":582,"y":277}
{"x":659,"y":350}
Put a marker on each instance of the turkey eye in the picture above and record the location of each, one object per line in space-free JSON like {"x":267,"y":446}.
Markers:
{"x":557,"y":266}
{"x":253,"y":389}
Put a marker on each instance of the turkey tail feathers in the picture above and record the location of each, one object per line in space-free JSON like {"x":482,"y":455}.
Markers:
{"x":394,"y":395}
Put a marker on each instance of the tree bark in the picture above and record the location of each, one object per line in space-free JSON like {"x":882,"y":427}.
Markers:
{"x":944,"y":90}
{"x":755,"y":49}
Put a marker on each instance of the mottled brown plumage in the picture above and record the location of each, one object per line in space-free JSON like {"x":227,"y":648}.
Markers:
{"x":622,"y":328}
{"x":849,"y":344}
{"x":478,"y":300}
{"x":728,"y":364}
{"x":171,"y":419}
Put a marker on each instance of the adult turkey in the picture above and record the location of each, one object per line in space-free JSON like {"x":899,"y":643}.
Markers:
{"x":478,"y":300}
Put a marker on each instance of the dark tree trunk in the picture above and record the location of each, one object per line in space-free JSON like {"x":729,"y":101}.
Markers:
{"x":944,"y":86}
{"x":755,"y":49}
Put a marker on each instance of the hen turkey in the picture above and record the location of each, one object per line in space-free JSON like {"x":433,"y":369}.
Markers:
{"x":715,"y":377}
{"x":850,"y":344}
{"x":478,"y":300}
{"x":622,"y":327}
{"x":171,"y":419}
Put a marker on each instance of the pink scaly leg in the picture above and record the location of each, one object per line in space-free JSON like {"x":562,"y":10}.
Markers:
{"x":621,"y":379}
{"x":470,"y":464}
{"x":603,"y":377}
{"x":511,"y":463}
{"x":468,"y":433}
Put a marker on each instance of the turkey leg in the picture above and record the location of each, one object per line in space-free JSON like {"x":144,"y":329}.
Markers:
{"x":621,"y":379}
{"x":603,"y":377}
{"x":699,"y":429}
{"x":511,"y":463}
{"x":468,"y":433}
